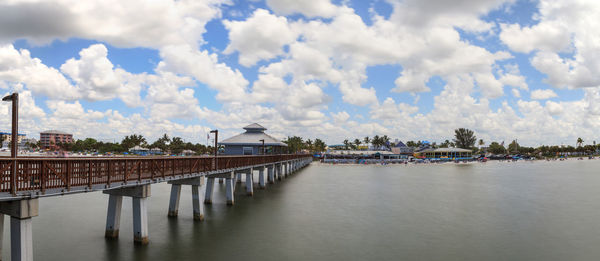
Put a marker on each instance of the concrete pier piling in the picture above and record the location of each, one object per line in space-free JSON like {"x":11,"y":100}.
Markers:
{"x":195,"y":183}
{"x":261,"y":178}
{"x":139,"y":195}
{"x":140,"y":220}
{"x":279,"y":170}
{"x":229,"y":183}
{"x":270,"y":174}
{"x":21,"y":213}
{"x":198,"y":209}
{"x":238,"y":178}
{"x":174,"y":200}
{"x":250,"y":183}
{"x":210,"y":184}
{"x":113,"y":216}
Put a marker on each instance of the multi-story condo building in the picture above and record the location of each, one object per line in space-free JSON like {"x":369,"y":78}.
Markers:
{"x":51,"y":138}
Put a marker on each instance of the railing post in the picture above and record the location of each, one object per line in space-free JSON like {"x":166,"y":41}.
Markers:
{"x":68,"y":175}
{"x":90,"y":174}
{"x":109,"y":172}
{"x":43,"y":177}
{"x":139,"y":170}
{"x":163,"y":168}
{"x":13,"y":178}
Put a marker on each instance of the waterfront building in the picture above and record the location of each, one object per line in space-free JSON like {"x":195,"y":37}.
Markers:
{"x":155,"y":151}
{"x":445,"y":154}
{"x":401,"y":148}
{"x":51,"y":138}
{"x":6,"y":136}
{"x":251,"y":142}
{"x":138,"y":150}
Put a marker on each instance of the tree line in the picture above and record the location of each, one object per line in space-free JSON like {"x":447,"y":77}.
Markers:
{"x":174,"y":145}
{"x":297,"y":144}
{"x":466,"y":139}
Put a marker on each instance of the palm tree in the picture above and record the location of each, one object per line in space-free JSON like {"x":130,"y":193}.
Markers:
{"x":346,"y":143}
{"x":357,"y":143}
{"x":385,"y":140}
{"x":376,"y":141}
{"x":579,"y":142}
{"x":481,"y":143}
{"x":309,"y":145}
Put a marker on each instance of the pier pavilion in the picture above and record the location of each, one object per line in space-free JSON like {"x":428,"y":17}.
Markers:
{"x":445,"y":154}
{"x":251,"y":142}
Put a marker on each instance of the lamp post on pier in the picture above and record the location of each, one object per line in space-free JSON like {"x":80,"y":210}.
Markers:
{"x":14,"y":98}
{"x":216,"y":132}
{"x":263,"y":146}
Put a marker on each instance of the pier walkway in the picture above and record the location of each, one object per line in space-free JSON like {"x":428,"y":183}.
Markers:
{"x":24,"y":179}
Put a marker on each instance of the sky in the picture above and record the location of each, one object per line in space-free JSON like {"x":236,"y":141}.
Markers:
{"x":328,"y":69}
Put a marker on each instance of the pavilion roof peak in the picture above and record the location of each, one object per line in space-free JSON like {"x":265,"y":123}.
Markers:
{"x":255,"y":127}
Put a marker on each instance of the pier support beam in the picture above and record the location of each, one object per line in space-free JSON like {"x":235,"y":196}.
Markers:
{"x":196,"y":198}
{"x":270,"y":174}
{"x":250,"y":182}
{"x":279,"y":169}
{"x":238,"y":178}
{"x":113,"y":216}
{"x":21,"y":234}
{"x":139,"y":195}
{"x":261,"y":178}
{"x":229,"y":187}
{"x":210,"y":184}
{"x":174,"y":201}
{"x":196,"y":183}
{"x":221,"y":181}
{"x":140,"y":220}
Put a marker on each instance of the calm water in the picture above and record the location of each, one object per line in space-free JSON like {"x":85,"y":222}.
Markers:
{"x":491,"y":211}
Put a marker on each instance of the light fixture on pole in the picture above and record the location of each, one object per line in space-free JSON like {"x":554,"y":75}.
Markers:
{"x":14,"y":98}
{"x":263,"y":146}
{"x":216,"y":132}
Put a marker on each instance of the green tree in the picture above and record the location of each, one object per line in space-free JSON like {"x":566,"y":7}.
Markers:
{"x":385,"y":141}
{"x":376,"y":141}
{"x":319,"y":145}
{"x":346,"y":144}
{"x":295,"y":144}
{"x":366,"y":140}
{"x":176,"y":145}
{"x":162,"y":143}
{"x":496,"y":148}
{"x":464,"y":138}
{"x":132,"y":141}
{"x":411,"y":144}
{"x":513,"y":147}
{"x":357,"y":143}
{"x":579,"y":142}
{"x":309,"y":145}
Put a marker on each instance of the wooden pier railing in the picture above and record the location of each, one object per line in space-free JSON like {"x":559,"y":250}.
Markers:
{"x":40,"y":174}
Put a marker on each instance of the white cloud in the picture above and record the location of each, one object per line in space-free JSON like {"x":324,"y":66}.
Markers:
{"x":542,"y":94}
{"x":97,"y":78}
{"x":19,"y":67}
{"x":310,"y":8}
{"x":205,"y":68}
{"x":260,"y":37}
{"x":566,"y":51}
{"x":554,"y":108}
{"x":120,"y":23}
{"x":516,"y":93}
